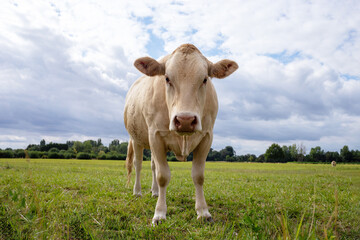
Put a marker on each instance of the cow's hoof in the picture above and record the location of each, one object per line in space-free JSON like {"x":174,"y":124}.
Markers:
{"x":138,"y":194}
{"x":158,"y":220}
{"x":208,"y":219}
{"x":155,"y":194}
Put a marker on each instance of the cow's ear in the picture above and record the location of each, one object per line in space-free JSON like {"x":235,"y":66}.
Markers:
{"x":149,"y":66}
{"x":222,"y":68}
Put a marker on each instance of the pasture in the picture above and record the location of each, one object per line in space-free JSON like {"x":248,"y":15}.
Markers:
{"x":78,"y":199}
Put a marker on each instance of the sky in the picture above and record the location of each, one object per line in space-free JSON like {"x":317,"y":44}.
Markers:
{"x":66,"y":66}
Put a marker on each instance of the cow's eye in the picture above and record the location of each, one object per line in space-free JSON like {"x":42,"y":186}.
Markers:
{"x":205,"y":80}
{"x":167,"y":79}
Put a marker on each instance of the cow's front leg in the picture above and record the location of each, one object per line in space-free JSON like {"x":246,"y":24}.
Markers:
{"x":154,"y":187}
{"x":162,"y":171}
{"x":197,"y":173}
{"x":163,"y":179}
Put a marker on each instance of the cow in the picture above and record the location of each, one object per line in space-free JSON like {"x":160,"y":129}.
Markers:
{"x":173,"y":107}
{"x":333,"y":163}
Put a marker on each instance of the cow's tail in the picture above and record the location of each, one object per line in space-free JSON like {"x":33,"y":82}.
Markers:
{"x":129,"y":161}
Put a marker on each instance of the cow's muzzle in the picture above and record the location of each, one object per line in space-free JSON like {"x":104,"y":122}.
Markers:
{"x":185,"y":123}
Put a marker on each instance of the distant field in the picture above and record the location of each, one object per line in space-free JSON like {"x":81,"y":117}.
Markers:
{"x":87,"y":199}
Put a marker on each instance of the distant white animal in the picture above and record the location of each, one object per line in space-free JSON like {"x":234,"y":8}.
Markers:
{"x":333,"y":163}
{"x":173,"y":108}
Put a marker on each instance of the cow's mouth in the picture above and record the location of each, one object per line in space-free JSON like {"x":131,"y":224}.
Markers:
{"x":185,"y":133}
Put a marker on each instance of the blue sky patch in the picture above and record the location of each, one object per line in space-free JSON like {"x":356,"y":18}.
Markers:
{"x":284,"y":57}
{"x":155,"y":46}
{"x":349,"y":77}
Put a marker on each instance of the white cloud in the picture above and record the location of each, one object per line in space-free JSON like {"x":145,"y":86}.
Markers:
{"x":60,"y":78}
{"x":67,"y":67}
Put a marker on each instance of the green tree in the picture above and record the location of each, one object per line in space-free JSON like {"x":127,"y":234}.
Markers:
{"x":33,"y":147}
{"x":317,"y":154}
{"x":301,"y":153}
{"x":70,"y":144}
{"x":287,"y":154}
{"x":99,"y":143}
{"x":332,"y":156}
{"x":88,"y":146}
{"x":78,"y":146}
{"x":355,"y":155}
{"x":274,"y":154}
{"x":227,"y":151}
{"x":42,"y":144}
{"x":123,"y":147}
{"x":114,"y":145}
{"x":345,"y":154}
{"x":213,"y":155}
{"x":260,"y":158}
{"x":251,"y":158}
{"x":293,"y":152}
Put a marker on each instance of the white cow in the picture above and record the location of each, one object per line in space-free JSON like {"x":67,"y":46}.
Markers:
{"x":173,"y":108}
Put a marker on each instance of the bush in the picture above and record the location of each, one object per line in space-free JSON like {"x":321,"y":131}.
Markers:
{"x":54,"y":149}
{"x":102,"y":156}
{"x":230,"y":159}
{"x":171,"y":159}
{"x":115,"y":156}
{"x":54,"y":155}
{"x":35,"y":154}
{"x":6,"y":154}
{"x":83,"y":155}
{"x":62,"y":154}
{"x":19,"y":153}
{"x":69,"y":155}
{"x":112,"y":156}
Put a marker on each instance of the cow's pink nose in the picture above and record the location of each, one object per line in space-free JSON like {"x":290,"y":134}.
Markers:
{"x":185,"y":123}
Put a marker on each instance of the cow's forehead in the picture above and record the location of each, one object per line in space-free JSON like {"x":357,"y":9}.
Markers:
{"x":181,"y":63}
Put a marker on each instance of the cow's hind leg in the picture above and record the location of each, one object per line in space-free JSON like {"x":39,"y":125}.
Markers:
{"x":138,"y":159}
{"x":155,"y":186}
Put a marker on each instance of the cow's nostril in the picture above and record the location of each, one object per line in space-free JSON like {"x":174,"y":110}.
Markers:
{"x":177,"y":122}
{"x":185,"y":123}
{"x":193,"y":123}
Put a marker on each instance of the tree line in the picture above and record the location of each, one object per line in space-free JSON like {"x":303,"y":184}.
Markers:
{"x":116,"y":150}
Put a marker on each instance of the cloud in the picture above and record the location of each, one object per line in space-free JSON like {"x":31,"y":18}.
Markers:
{"x":302,"y":101}
{"x":48,"y":88}
{"x":65,"y":68}
{"x":292,"y":56}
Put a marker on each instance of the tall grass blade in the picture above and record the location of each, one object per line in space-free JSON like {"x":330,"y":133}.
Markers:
{"x":299,"y":227}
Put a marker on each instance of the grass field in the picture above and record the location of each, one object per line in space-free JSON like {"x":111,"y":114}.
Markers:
{"x":74,"y":199}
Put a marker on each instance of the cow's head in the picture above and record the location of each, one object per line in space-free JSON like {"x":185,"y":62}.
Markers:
{"x":186,"y":73}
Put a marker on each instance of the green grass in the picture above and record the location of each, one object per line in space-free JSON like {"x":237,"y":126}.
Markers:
{"x":78,"y":199}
